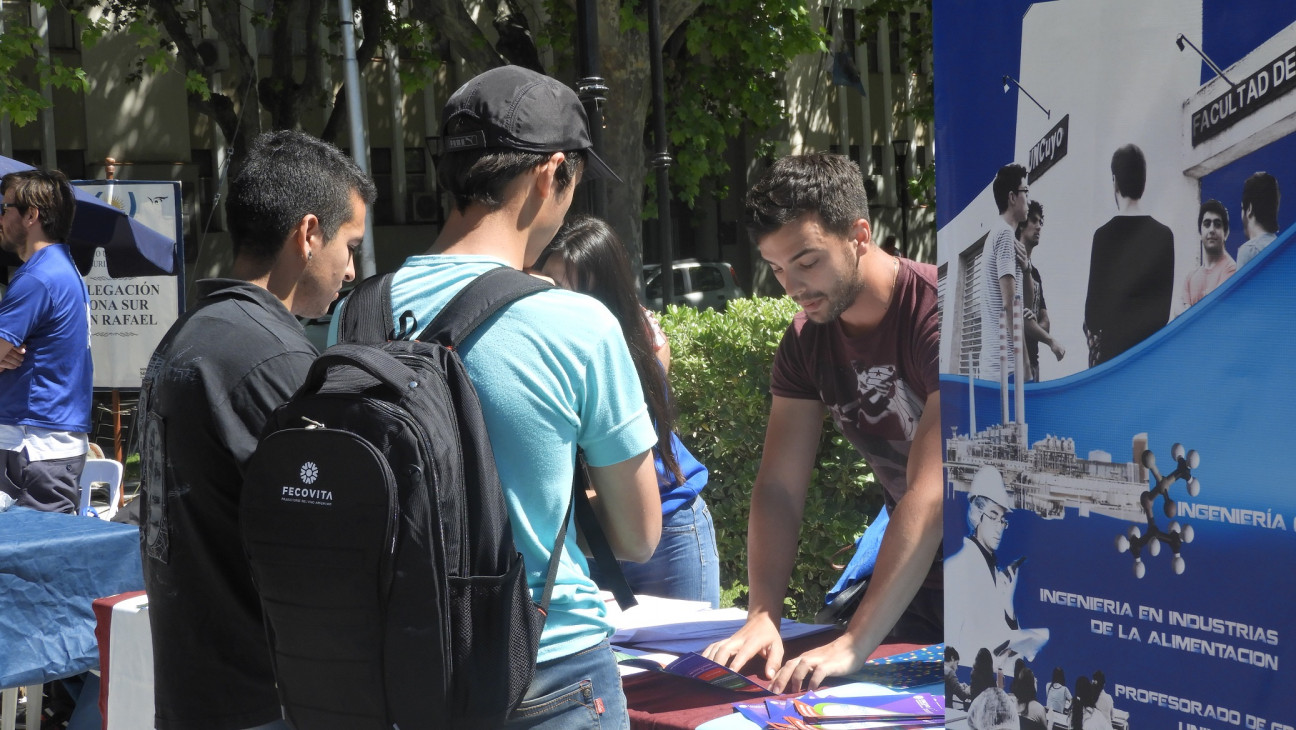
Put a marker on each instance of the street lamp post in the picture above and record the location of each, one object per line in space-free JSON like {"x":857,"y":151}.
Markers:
{"x":661,"y":160}
{"x":593,"y":93}
{"x":901,"y":149}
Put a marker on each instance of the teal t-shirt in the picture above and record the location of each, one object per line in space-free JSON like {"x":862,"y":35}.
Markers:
{"x":552,"y":372}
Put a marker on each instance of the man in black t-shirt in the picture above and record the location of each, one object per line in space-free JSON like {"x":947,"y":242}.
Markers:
{"x":297,"y":210}
{"x":1131,"y":267}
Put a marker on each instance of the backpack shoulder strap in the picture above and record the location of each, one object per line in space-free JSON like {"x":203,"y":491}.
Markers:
{"x":367,"y":316}
{"x":476,"y":302}
{"x":610,"y":575}
{"x":613,"y":579}
{"x":467,"y":310}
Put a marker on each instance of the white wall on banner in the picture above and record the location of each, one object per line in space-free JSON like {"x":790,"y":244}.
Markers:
{"x":1132,"y":517}
{"x":1114,"y":70}
{"x":129,"y":315}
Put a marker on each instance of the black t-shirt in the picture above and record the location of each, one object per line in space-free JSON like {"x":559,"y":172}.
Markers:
{"x":1131,"y":280}
{"x":208,"y":390}
{"x":1035,"y":307}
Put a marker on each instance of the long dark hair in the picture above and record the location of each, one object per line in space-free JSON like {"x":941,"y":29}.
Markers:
{"x":1082,"y":699}
{"x":597,"y":265}
{"x":983,"y":676}
{"x":1023,"y":688}
{"x":1059,"y":676}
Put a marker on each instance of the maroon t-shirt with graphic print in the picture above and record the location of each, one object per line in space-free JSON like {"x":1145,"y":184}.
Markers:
{"x":874,"y":384}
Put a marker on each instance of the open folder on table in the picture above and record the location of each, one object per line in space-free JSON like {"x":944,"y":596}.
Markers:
{"x":690,"y":666}
{"x":680,"y":627}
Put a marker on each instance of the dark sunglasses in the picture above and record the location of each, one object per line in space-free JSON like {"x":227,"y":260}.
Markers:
{"x":6,"y":206}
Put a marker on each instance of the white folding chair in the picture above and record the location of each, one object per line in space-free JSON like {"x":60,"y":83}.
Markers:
{"x":101,"y":471}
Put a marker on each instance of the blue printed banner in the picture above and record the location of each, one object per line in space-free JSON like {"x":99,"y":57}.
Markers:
{"x":1117,"y":385}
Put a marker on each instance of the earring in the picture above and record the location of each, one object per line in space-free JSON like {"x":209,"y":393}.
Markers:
{"x":309,"y":254}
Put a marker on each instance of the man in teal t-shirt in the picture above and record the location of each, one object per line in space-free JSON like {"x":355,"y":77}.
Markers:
{"x":552,"y":371}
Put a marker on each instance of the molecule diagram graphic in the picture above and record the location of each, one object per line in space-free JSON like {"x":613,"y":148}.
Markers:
{"x":1174,"y":536}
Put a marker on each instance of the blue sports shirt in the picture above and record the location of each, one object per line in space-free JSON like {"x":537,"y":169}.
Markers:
{"x":47,"y":308}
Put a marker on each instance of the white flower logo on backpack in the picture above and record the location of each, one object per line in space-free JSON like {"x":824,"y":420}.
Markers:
{"x":309,"y":472}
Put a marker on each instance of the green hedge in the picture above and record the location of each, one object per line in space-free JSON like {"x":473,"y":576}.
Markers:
{"x":720,"y":370}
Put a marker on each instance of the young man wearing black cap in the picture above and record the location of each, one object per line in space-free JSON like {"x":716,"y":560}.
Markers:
{"x":552,"y":370}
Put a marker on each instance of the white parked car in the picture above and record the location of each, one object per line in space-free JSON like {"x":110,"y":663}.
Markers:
{"x":697,"y":284}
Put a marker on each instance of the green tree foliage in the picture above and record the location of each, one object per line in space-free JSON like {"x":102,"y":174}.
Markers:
{"x":23,"y":71}
{"x":723,"y":61}
{"x":720,"y":369}
{"x":723,"y":74}
{"x":722,"y":64}
{"x":170,"y":34}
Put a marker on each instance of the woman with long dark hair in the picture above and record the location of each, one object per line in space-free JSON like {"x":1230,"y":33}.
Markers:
{"x":1084,"y":714}
{"x":983,"y":674}
{"x":1028,"y":706}
{"x":587,"y":257}
{"x":1080,"y":702}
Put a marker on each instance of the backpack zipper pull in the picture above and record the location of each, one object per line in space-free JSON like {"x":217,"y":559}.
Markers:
{"x":312,"y":424}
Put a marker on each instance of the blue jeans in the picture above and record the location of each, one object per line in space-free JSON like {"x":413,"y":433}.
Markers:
{"x":685,"y":565}
{"x":575,"y":692}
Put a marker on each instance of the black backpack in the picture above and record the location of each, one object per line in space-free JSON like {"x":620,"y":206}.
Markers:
{"x":376,"y":528}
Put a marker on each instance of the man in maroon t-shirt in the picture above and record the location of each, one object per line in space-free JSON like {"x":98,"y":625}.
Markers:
{"x":865,"y":349}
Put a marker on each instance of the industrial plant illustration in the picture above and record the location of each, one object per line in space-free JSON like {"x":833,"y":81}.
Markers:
{"x":1048,"y":476}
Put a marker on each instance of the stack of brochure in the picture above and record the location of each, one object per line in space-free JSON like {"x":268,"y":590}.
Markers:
{"x":875,"y":712}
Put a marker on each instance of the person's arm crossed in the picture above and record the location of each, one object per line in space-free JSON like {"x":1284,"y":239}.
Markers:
{"x":11,"y":357}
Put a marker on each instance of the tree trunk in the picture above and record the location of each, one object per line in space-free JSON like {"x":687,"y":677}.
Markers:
{"x":627,"y":68}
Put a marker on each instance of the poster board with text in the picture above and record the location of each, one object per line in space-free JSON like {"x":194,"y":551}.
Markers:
{"x":129,"y":315}
{"x":1148,"y":527}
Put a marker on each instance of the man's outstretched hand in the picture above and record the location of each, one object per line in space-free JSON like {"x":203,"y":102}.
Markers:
{"x":759,"y":635}
{"x":809,"y":670}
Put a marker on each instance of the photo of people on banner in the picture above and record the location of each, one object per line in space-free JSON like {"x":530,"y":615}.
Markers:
{"x":1116,"y":262}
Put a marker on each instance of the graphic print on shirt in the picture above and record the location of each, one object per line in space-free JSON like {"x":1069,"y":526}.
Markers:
{"x":156,"y":531}
{"x":879,"y":419}
{"x":882,"y":398}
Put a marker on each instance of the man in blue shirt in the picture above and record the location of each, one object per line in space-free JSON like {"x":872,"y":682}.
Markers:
{"x":46,"y":374}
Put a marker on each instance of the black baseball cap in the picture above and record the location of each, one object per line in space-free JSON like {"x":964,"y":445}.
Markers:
{"x":515,"y":108}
